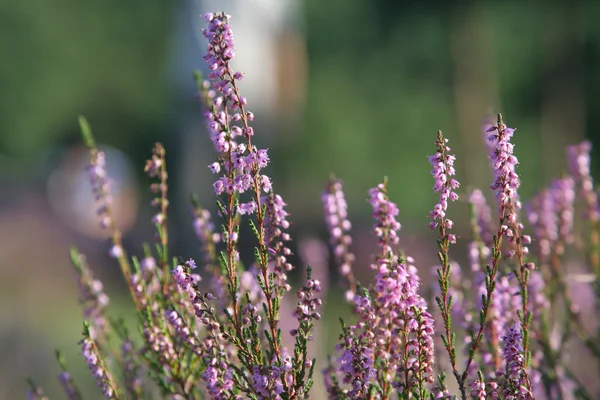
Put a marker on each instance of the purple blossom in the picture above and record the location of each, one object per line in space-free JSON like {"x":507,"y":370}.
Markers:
{"x":357,"y":365}
{"x":384,"y":213}
{"x":442,"y":172}
{"x":518,"y":385}
{"x":91,"y":296}
{"x":306,"y":309}
{"x":267,"y":382}
{"x":542,"y":215}
{"x":101,"y":187}
{"x":97,"y":367}
{"x":506,"y":180}
{"x":240,"y":162}
{"x":579,"y":168}
{"x":482,"y":217}
{"x":563,"y":192}
{"x":276,"y":238}
{"x":336,"y":218}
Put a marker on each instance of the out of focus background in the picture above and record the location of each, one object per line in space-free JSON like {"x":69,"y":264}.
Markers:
{"x":355,"y":88}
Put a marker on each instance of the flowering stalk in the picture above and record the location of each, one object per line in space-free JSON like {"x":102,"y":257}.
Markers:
{"x":579,"y":166}
{"x":443,"y":170}
{"x":156,"y":167}
{"x":96,"y":364}
{"x":242,"y":164}
{"x":100,"y":186}
{"x":306,"y":313}
{"x":66,"y":381}
{"x":517,"y":380}
{"x":505,"y":185}
{"x":336,"y":217}
{"x":205,"y":232}
{"x":35,"y":392}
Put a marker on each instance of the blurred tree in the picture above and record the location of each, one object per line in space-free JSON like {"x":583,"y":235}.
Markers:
{"x":60,"y":59}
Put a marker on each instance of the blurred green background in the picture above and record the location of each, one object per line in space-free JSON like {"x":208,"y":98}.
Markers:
{"x":357,"y":88}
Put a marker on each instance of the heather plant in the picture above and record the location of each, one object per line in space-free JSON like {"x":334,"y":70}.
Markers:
{"x":215,"y":328}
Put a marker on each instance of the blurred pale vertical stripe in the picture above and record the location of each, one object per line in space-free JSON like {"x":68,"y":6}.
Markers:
{"x":475,"y":89}
{"x":562,"y":108}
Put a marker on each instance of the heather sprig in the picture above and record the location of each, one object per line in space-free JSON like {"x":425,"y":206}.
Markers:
{"x":92,"y":297}
{"x":443,"y":172}
{"x":338,"y":225}
{"x":505,"y":185}
{"x":97,"y":366}
{"x":101,"y":189}
{"x":156,"y":168}
{"x":66,"y":381}
{"x":35,"y":392}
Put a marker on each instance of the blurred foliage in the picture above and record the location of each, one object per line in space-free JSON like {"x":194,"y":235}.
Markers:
{"x":105,"y":59}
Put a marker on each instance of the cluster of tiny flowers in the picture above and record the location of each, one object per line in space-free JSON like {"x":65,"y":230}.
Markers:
{"x":183,"y":330}
{"x":96,"y":366}
{"x":100,"y":187}
{"x":276,"y":237}
{"x":218,"y":376}
{"x":482,"y":215}
{"x":518,"y":386}
{"x":93,"y":298}
{"x":506,"y":181}
{"x":442,"y":172}
{"x":131,"y":370}
{"x":384,"y":213}
{"x":244,"y":161}
{"x":230,"y":346}
{"x":357,"y":364}
{"x":205,"y":231}
{"x":579,"y":168}
{"x":338,"y":225}
{"x":541,"y":212}
{"x":563,"y":191}
{"x":503,"y":309}
{"x":155,"y":168}
{"x":306,"y":309}
{"x":36,"y":393}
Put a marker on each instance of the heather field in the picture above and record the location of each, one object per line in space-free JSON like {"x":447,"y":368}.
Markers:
{"x":300,"y":200}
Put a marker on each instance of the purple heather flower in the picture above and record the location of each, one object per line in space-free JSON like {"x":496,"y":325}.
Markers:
{"x":116,"y":251}
{"x":357,"y":364}
{"x":394,"y":324}
{"x":336,"y":218}
{"x":97,"y":367}
{"x":506,"y":181}
{"x":92,"y":296}
{"x":579,"y":168}
{"x":384,"y":213}
{"x":131,"y":369}
{"x":66,"y":381}
{"x":541,"y":212}
{"x":482,"y":215}
{"x":243,"y":161}
{"x":218,"y":375}
{"x":267,"y":382}
{"x":518,"y":384}
{"x":306,"y":309}
{"x":563,"y":192}
{"x":478,"y":390}
{"x":101,"y":187}
{"x":442,"y":172}
{"x":276,"y":238}
{"x":148,"y":264}
{"x":36,"y":393}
